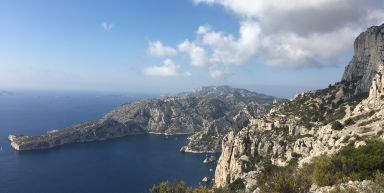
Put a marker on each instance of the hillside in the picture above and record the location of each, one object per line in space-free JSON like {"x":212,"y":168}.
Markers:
{"x":312,"y":124}
{"x":206,"y":114}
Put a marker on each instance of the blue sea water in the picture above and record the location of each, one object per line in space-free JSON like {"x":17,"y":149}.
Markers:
{"x":127,"y":165}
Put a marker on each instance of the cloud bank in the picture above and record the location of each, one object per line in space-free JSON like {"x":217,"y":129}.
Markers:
{"x":158,"y":49}
{"x":301,"y":34}
{"x":168,"y":69}
{"x":280,"y":33}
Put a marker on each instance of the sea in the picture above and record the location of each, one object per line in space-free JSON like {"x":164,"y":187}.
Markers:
{"x":130,"y":164}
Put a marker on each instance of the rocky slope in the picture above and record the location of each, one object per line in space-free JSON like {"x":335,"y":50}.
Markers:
{"x":312,"y":123}
{"x":207,"y":113}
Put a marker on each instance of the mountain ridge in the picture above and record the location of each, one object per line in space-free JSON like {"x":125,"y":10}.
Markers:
{"x":205,"y":114}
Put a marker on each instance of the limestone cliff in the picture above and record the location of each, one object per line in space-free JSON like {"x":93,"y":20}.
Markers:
{"x":368,"y":58}
{"x":304,"y":127}
{"x":207,"y":113}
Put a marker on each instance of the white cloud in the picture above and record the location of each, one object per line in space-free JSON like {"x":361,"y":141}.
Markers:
{"x":216,"y":72}
{"x":197,"y":54}
{"x":158,"y":49}
{"x":107,"y":26}
{"x":278,"y":33}
{"x":282,"y":33}
{"x":227,"y":49}
{"x":169,"y":68}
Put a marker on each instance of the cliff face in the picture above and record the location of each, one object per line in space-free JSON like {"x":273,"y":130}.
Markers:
{"x":281,"y":136}
{"x":301,"y":129}
{"x":208,"y":113}
{"x":368,"y":58}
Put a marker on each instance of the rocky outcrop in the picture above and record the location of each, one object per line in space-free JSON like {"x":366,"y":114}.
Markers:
{"x":368,"y":58}
{"x":280,"y":137}
{"x":207,"y":114}
{"x":303,"y":128}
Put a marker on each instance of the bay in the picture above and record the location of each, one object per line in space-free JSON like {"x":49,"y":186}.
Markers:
{"x":130,"y":164}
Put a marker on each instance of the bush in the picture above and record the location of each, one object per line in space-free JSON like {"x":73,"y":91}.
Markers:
{"x":349,"y":121}
{"x":349,"y":164}
{"x":336,"y":125}
{"x":324,"y":171}
{"x":236,"y":185}
{"x":284,"y":180}
{"x":177,"y":187}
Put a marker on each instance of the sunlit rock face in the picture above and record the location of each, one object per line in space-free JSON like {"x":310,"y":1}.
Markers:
{"x":368,"y":58}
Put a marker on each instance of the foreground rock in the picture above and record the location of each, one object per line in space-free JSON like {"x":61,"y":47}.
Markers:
{"x":207,"y":114}
{"x":313,"y":123}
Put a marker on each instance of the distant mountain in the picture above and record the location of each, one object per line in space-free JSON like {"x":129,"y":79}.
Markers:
{"x":227,"y":91}
{"x":206,"y":114}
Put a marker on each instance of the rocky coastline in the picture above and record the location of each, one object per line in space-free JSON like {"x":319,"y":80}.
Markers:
{"x":205,"y":114}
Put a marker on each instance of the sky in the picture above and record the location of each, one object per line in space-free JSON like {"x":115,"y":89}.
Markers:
{"x":273,"y":46}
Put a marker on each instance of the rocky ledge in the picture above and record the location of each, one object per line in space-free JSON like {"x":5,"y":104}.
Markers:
{"x":207,"y":114}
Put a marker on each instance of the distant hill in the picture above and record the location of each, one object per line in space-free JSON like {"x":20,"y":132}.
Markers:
{"x":207,"y":114}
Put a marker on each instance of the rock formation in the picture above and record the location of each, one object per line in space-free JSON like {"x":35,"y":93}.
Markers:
{"x":208,"y":114}
{"x":302,"y":128}
{"x":368,"y":58}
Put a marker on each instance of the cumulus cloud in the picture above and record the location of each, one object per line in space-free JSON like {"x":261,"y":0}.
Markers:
{"x":216,"y":72}
{"x":158,"y":49}
{"x":226,"y":48}
{"x":197,"y":54}
{"x":107,"y":26}
{"x":169,"y":68}
{"x":282,"y":33}
{"x":277,"y":33}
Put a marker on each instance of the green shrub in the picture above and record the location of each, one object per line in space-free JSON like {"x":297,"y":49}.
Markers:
{"x":336,"y":125}
{"x":237,"y":185}
{"x":287,"y":179}
{"x":349,"y":121}
{"x":177,"y":187}
{"x":372,"y":112}
{"x":324,"y":171}
{"x":349,"y":164}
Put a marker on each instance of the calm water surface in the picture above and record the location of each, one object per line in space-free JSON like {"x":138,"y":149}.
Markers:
{"x":130,"y":164}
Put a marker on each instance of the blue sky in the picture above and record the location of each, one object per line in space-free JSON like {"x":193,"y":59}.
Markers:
{"x":105,"y":45}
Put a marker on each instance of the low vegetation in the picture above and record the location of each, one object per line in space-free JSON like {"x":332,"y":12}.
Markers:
{"x":284,"y":179}
{"x":180,"y":187}
{"x":177,"y":187}
{"x":322,"y":106}
{"x":355,"y":164}
{"x":336,"y":125}
{"x":350,"y":164}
